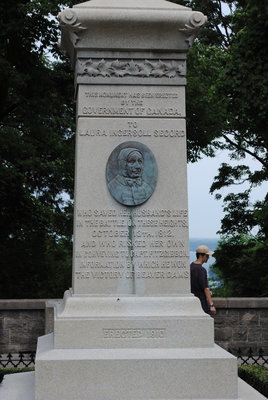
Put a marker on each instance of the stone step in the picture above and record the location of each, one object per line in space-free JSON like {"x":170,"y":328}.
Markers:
{"x":134,"y":374}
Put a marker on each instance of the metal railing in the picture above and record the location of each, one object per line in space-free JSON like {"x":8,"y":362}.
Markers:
{"x":18,"y":360}
{"x":249,"y":357}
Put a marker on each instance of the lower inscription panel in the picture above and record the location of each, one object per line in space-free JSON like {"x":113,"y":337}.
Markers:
{"x":131,"y":245}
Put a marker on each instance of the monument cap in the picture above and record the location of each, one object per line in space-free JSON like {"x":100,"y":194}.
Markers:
{"x":203,"y":249}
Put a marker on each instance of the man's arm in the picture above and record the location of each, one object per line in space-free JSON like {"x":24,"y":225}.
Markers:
{"x":210,"y":301}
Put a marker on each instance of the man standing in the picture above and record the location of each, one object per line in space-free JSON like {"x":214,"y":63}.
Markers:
{"x":199,"y":281}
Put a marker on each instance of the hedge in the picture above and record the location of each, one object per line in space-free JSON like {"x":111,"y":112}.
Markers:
{"x":256,"y":376}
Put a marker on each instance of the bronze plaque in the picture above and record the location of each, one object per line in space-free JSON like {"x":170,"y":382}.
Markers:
{"x":131,"y":173}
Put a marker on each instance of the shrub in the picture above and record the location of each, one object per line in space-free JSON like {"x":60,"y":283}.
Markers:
{"x":256,"y":376}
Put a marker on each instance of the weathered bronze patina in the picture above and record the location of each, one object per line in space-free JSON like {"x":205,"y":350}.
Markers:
{"x":131,"y":173}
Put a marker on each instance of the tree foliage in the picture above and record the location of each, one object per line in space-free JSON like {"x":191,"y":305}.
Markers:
{"x":241,"y":266}
{"x":245,"y":131}
{"x":36,"y":147}
{"x":228,"y":71}
{"x":227,"y":103}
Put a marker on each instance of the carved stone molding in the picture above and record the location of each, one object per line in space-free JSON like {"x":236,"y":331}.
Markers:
{"x":69,"y":20}
{"x":195,"y":23}
{"x":129,"y":25}
{"x":128,"y":68}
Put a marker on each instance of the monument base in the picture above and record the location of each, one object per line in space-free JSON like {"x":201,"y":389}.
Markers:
{"x":134,"y":374}
{"x":21,"y":387}
{"x":87,"y":322}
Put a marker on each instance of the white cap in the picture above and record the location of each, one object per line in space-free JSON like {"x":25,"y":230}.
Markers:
{"x":204,"y":250}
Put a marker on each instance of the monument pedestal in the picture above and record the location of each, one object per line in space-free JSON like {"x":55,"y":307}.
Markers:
{"x":134,"y":373}
{"x":131,"y":322}
{"x":137,"y":348}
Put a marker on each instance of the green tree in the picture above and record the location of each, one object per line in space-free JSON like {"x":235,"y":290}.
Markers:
{"x":228,"y":72}
{"x":241,"y":256}
{"x":36,"y":147}
{"x":227,"y":104}
{"x":241,"y":266}
{"x":245,"y":132}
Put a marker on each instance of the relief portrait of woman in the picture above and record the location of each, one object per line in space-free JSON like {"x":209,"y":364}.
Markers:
{"x":129,"y":186}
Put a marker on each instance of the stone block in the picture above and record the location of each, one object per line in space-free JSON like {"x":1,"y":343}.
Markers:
{"x":136,"y":374}
{"x":4,"y":337}
{"x":244,"y":302}
{"x":23,"y":326}
{"x":263,"y":321}
{"x":23,"y":338}
{"x":245,"y":347}
{"x":264,"y":312}
{"x":223,"y":334}
{"x":226,"y":320}
{"x":134,"y":333}
{"x":249,"y":318}
{"x":128,"y":321}
{"x":264,"y":347}
{"x":221,"y":312}
{"x":21,"y":386}
{"x":232,"y":318}
{"x":14,"y":322}
{"x":35,"y":325}
{"x":31,"y":317}
{"x":219,"y":321}
{"x":221,"y":303}
{"x":255,"y":334}
{"x":230,"y":346}
{"x":22,"y":304}
{"x":49,"y":317}
{"x":240,"y":333}
{"x":265,"y":336}
{"x":233,"y":313}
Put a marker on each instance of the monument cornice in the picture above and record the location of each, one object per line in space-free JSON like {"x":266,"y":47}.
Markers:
{"x":155,"y":26}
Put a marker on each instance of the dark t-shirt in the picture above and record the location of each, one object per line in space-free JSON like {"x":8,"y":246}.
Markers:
{"x":199,"y":282}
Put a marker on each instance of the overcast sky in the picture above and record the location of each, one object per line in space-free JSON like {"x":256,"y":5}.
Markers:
{"x":205,"y":213}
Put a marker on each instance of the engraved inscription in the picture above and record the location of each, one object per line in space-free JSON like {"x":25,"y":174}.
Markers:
{"x":131,"y":111}
{"x":131,"y":244}
{"x":132,"y":129}
{"x":153,"y":102}
{"x":155,"y":333}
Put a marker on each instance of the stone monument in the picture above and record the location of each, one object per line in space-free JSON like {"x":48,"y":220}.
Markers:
{"x":130,"y":328}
